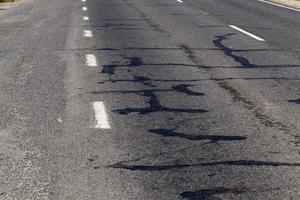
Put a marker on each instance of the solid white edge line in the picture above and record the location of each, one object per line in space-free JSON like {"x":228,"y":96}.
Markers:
{"x":247,"y":33}
{"x":91,"y":60}
{"x":84,"y":8}
{"x":87,"y":33}
{"x":101,"y":118}
{"x":279,"y":5}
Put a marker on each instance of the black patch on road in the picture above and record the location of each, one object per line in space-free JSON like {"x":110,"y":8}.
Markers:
{"x":218,"y":42}
{"x":144,"y":80}
{"x":296,"y":101}
{"x":209,"y":194}
{"x":243,"y":163}
{"x":109,"y":69}
{"x":118,"y":25}
{"x":121,"y":19}
{"x":183,"y":88}
{"x":128,"y":29}
{"x":133,"y":62}
{"x":136,"y":79}
{"x":213,"y":138}
{"x":141,"y":79}
{"x":155,"y":106}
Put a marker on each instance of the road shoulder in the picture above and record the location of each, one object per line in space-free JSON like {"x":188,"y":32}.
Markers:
{"x":291,"y":3}
{"x":6,"y":5}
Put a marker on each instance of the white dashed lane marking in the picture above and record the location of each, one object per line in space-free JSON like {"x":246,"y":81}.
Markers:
{"x":180,"y":1}
{"x":100,"y":120}
{"x":87,"y":33}
{"x":84,"y":8}
{"x":85,"y":18}
{"x":90,"y":60}
{"x":247,"y":33}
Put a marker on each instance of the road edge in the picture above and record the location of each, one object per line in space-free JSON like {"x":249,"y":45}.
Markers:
{"x":290,"y":3}
{"x":7,"y":5}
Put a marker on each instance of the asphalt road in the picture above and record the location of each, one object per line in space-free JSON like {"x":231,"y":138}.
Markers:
{"x":149,"y":99}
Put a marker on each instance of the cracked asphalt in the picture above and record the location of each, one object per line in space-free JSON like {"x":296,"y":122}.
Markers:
{"x":149,"y":99}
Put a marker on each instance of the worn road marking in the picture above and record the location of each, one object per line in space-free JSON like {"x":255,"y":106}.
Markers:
{"x":101,"y":119}
{"x":91,"y":60}
{"x":247,"y":33}
{"x":279,"y":5}
{"x":84,"y":8}
{"x":87,"y":33}
{"x":85,"y":18}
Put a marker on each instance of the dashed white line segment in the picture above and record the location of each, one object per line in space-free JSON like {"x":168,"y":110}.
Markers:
{"x":279,"y":5}
{"x":85,"y":18}
{"x":91,"y":60}
{"x":101,"y":118}
{"x":247,"y":33}
{"x":84,"y":8}
{"x":87,"y":33}
{"x":83,"y":0}
{"x":180,"y":1}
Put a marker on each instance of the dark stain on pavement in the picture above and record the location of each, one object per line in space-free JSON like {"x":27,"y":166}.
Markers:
{"x":143,"y":80}
{"x":183,"y":88}
{"x":218,"y":42}
{"x":137,"y":79}
{"x":121,"y":19}
{"x":209,"y":194}
{"x":213,"y":138}
{"x":128,"y":29}
{"x":119,"y":25}
{"x":243,"y":163}
{"x":111,"y":68}
{"x":135,"y":61}
{"x":202,"y":80}
{"x":91,"y":159}
{"x":296,"y":101}
{"x":155,"y":106}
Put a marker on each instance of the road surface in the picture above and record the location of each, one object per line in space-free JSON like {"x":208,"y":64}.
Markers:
{"x":149,"y":99}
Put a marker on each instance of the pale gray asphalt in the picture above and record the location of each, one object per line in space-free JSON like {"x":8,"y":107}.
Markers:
{"x":198,"y":110}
